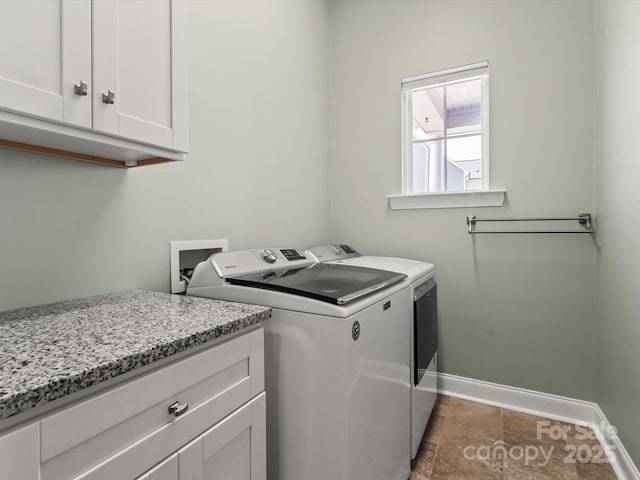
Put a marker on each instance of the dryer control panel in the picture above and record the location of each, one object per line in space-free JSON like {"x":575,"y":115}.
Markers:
{"x":240,"y":262}
{"x":330,"y":253}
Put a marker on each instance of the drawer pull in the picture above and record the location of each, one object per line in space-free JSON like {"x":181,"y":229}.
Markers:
{"x":178,"y":408}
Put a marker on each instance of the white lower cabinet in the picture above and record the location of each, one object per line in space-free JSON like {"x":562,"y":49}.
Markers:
{"x":233,"y":449}
{"x":199,"y":418}
{"x":167,"y":470}
{"x":19,"y":453}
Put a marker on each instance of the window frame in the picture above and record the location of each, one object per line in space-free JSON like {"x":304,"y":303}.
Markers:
{"x":452,"y":75}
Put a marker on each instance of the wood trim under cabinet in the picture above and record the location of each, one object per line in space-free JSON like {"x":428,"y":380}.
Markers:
{"x":79,"y":156}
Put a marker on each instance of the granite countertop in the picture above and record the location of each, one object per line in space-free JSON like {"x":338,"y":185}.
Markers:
{"x":50,"y":351}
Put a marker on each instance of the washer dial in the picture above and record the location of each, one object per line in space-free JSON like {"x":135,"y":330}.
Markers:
{"x":269,"y":255}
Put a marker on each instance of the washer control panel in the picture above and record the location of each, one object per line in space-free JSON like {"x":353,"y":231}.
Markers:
{"x":292,"y":254}
{"x":242,"y":262}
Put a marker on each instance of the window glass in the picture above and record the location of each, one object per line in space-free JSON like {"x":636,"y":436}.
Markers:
{"x":428,"y":113}
{"x":464,"y":101}
{"x":443,"y":144}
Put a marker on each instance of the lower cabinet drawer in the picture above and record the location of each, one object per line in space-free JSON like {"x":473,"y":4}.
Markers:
{"x":120,"y":433}
{"x":234,"y":449}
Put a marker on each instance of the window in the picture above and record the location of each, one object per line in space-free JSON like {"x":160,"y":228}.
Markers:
{"x":445,"y":130}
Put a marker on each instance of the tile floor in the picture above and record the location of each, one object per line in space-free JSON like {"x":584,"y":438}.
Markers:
{"x":472,"y":441}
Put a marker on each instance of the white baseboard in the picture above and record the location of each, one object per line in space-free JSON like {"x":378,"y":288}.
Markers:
{"x":624,"y":466}
{"x":544,"y":405}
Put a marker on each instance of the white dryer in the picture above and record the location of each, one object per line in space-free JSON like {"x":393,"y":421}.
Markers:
{"x":423,"y":343}
{"x":336,"y":364}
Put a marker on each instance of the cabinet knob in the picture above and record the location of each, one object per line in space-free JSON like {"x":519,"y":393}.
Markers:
{"x":81,"y":88}
{"x":177,"y":409}
{"x":109,"y":98}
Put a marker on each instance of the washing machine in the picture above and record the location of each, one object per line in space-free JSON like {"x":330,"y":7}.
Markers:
{"x":336,"y":365}
{"x":423,"y":342}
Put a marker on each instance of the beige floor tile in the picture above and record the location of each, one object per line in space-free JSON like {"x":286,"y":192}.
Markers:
{"x":418,"y":476}
{"x":524,"y":429}
{"x":451,"y":407}
{"x":434,"y":428}
{"x":450,"y":464}
{"x":595,"y":471}
{"x":459,"y":428}
{"x":441,"y":406}
{"x":552,"y":471}
{"x":582,"y":436}
{"x":585,"y":447}
{"x":472,"y":429}
{"x":424,"y":461}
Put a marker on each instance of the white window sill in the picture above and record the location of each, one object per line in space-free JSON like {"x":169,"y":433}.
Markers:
{"x":477,"y":198}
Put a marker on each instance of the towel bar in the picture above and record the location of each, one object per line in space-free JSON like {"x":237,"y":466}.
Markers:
{"x":584,"y":219}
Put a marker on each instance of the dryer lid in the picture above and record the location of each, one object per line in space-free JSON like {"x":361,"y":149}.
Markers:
{"x":333,"y":283}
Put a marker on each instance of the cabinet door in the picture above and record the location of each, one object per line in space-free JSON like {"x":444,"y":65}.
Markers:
{"x":140,"y":70}
{"x":45,"y":47}
{"x":19,"y":454}
{"x":166,"y":470}
{"x":235,"y":448}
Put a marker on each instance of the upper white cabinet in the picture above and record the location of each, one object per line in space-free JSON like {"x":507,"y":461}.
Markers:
{"x":105,"y":78}
{"x":45,"y":47}
{"x":140,"y":70}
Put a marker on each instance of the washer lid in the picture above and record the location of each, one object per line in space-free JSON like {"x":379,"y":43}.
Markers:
{"x":333,"y":283}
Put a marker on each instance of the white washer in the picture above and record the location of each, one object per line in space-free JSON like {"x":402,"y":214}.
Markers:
{"x":336,"y":365}
{"x":423,"y":320}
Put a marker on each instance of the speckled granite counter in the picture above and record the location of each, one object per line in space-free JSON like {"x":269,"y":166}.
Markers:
{"x":54,"y":350}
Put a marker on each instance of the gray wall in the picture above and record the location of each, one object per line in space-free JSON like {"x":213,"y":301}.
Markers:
{"x":618,"y":167}
{"x":259,"y":76}
{"x":516,"y":310}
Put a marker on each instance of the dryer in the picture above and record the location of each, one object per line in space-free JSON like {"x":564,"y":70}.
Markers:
{"x":336,"y":365}
{"x":423,"y":341}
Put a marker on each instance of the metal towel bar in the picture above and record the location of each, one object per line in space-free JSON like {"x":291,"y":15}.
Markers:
{"x":584,"y":219}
